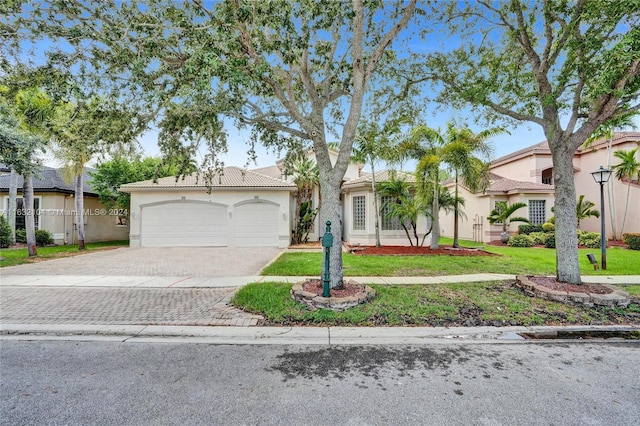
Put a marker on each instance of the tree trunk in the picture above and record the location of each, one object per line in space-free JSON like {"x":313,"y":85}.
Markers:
{"x":611,"y":197}
{"x":330,"y":210}
{"x":456,"y":244}
{"x":567,"y":264}
{"x":435,"y":220}
{"x":375,"y":204}
{"x":79,"y":194}
{"x":29,"y":219}
{"x":626,"y":207}
{"x":11,"y":207}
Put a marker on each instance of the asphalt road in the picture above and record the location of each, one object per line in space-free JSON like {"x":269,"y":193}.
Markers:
{"x":81,"y":383}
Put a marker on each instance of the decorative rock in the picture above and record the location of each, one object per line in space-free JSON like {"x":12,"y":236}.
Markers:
{"x":338,"y":304}
{"x":615,"y":298}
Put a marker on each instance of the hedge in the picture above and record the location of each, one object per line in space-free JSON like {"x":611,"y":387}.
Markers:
{"x":632,"y":240}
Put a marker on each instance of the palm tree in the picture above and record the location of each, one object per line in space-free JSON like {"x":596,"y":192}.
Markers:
{"x":370,"y":145}
{"x":407,"y":210}
{"x":502,"y":214}
{"x":584,"y":209}
{"x":628,"y":168}
{"x":425,"y":144}
{"x":397,"y":190}
{"x":606,"y":131}
{"x":306,"y":177}
{"x":461,"y":152}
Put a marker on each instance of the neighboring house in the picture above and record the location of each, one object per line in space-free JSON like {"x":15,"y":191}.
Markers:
{"x":54,"y":204}
{"x":527,"y":176}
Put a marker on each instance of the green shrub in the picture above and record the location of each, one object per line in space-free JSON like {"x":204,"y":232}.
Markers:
{"x":527,"y":229}
{"x":550,"y":241}
{"x":552,"y":219}
{"x":5,"y":233}
{"x":21,"y":235}
{"x":43,"y":237}
{"x":589,"y":239}
{"x":520,"y":241}
{"x":539,"y":237}
{"x":548,"y":227}
{"x":632,"y":240}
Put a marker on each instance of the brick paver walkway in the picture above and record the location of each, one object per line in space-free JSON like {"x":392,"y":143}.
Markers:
{"x":130,"y":306}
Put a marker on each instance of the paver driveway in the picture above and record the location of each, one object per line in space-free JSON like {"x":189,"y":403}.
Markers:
{"x":165,"y":261}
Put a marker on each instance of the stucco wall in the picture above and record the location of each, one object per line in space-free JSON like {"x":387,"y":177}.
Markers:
{"x":368,"y":235}
{"x":57,"y":215}
{"x":226,"y":198}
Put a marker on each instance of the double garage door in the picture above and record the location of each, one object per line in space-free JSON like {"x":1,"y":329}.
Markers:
{"x":203,"y":224}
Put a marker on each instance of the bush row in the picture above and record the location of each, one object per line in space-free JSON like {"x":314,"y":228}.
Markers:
{"x":632,"y":240}
{"x":548,"y":239}
{"x":43,"y":237}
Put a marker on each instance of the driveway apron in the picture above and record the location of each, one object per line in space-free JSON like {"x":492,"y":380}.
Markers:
{"x":163,"y":261}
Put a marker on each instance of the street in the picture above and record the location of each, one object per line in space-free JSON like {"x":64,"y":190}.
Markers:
{"x":178,"y":382}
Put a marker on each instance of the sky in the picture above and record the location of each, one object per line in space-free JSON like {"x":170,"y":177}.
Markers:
{"x":519,"y":137}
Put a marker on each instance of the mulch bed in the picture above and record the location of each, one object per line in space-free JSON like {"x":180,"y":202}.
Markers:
{"x":553,"y":284}
{"x":316,"y":286}
{"x":417,"y":251}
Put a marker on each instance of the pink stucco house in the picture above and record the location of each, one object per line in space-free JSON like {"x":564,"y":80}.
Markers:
{"x":527,"y":176}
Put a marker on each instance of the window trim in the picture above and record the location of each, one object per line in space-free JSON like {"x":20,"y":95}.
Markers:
{"x":359,"y":219}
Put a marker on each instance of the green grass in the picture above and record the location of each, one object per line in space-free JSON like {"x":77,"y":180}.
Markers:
{"x":20,"y":255}
{"x":469,"y":304}
{"x":509,"y":260}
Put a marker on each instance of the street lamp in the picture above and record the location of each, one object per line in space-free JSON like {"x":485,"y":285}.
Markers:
{"x":601,"y":176}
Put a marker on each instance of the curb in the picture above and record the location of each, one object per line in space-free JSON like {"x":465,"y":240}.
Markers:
{"x":330,"y":336}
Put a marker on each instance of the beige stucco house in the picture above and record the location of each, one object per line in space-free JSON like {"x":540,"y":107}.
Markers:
{"x":247,"y":208}
{"x":527,"y":176}
{"x":54,"y":204}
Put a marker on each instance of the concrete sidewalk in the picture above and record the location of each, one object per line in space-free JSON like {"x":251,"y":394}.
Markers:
{"x":220,"y":282}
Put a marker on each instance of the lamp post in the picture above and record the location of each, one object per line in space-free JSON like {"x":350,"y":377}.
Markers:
{"x":601,"y":176}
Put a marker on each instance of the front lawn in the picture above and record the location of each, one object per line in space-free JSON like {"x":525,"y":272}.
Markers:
{"x":510,"y":260}
{"x":469,"y":304}
{"x":18,"y":256}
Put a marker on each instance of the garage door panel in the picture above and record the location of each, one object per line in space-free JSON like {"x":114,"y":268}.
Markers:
{"x":256,"y":225}
{"x":184,"y":224}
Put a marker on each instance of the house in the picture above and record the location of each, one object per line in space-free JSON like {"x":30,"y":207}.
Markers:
{"x":242,"y":208}
{"x":54,"y":205}
{"x":527,"y":176}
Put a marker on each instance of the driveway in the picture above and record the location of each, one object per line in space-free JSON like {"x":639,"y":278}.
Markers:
{"x":163,"y":262}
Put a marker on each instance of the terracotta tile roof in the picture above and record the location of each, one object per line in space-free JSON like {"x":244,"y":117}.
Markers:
{"x":231,"y":177}
{"x":382,"y":176}
{"x":508,"y":185}
{"x":273,"y":171}
{"x":48,"y":179}
{"x":543,"y":147}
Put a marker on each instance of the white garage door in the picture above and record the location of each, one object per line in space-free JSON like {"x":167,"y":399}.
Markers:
{"x":184,"y":224}
{"x":256,"y":225}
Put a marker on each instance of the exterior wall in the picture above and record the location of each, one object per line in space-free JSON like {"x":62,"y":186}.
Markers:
{"x":227,"y":198}
{"x":526,"y":169}
{"x":476,"y":226}
{"x":589,"y":162}
{"x":57,"y":215}
{"x":367,"y":236}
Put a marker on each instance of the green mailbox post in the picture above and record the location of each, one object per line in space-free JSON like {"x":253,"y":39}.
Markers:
{"x":327,"y":243}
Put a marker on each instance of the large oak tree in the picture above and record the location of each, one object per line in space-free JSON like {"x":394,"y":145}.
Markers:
{"x":567,"y":66}
{"x":294,"y":72}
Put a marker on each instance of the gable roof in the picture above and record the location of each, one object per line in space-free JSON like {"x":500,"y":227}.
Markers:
{"x":382,"y":176}
{"x":509,"y":186}
{"x":49,"y":179}
{"x":542,"y":148}
{"x":231,"y":178}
